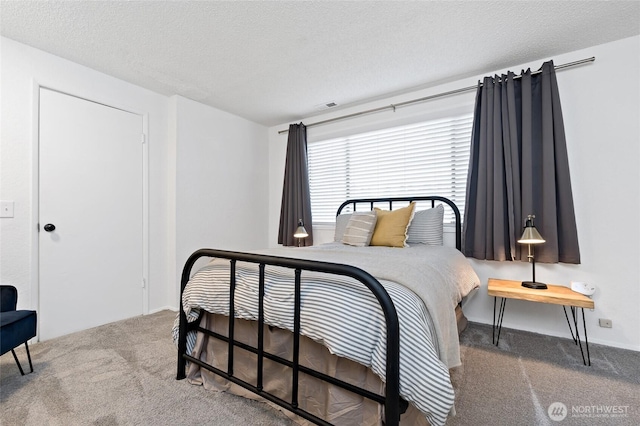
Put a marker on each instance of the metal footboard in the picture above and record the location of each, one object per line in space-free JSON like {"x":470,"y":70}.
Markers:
{"x":393,"y":405}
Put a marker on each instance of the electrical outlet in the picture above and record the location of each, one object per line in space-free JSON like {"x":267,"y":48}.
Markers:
{"x":606,"y":323}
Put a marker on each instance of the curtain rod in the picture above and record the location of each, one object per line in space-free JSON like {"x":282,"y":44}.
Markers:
{"x":428,"y":98}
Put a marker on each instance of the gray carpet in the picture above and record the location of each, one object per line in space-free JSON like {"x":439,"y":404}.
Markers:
{"x":517,"y":382}
{"x":117,"y":374}
{"x":124,"y":374}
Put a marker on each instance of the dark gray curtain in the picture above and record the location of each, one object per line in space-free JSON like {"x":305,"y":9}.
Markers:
{"x":519,"y":166}
{"x":296,"y":201}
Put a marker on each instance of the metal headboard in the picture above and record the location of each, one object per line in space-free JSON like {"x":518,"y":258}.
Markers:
{"x":433,"y":198}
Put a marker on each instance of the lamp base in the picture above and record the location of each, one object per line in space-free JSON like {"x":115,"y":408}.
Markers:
{"x":534,"y":285}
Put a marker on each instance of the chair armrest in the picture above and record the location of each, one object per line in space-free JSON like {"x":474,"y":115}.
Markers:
{"x":8,"y":298}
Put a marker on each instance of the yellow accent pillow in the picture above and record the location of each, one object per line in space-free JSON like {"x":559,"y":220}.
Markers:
{"x":391,"y":226}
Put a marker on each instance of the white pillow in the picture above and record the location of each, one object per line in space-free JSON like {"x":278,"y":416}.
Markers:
{"x":426,"y":227}
{"x":360,"y":229}
{"x":341,"y":225}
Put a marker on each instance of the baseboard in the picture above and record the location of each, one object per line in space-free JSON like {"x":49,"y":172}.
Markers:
{"x":165,"y":308}
{"x":566,"y":335}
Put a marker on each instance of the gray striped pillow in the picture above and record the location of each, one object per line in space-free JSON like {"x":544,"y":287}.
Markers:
{"x":426,"y":227}
{"x":341,"y":225}
{"x":360,"y":229}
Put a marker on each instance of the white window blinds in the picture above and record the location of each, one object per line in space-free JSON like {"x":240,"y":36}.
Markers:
{"x":429,"y":158}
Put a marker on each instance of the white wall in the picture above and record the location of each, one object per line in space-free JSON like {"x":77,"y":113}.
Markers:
{"x":22,"y":69}
{"x":221,"y":163}
{"x":208,"y":171}
{"x":601,"y":106}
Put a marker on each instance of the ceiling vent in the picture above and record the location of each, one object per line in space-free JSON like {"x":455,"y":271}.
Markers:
{"x":326,"y":105}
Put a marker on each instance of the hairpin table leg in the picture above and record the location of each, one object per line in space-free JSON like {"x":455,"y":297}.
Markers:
{"x":498,"y":325}
{"x":576,"y":336}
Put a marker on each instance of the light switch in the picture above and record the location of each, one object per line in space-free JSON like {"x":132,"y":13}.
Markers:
{"x":6,"y":208}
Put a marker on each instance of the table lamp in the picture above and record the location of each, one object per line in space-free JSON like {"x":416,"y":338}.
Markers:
{"x":300,"y":232}
{"x":531,"y":236}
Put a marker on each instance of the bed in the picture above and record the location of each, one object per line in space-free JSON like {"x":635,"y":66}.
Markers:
{"x":337,"y":333}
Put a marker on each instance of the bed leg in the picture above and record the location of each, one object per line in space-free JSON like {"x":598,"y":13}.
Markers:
{"x":182,"y":346}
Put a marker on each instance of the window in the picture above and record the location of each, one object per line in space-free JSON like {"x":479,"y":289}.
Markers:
{"x":429,"y":158}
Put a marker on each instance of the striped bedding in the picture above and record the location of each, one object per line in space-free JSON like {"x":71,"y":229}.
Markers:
{"x":345,"y":317}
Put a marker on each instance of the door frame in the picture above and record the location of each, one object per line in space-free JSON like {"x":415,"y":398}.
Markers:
{"x":35,"y":185}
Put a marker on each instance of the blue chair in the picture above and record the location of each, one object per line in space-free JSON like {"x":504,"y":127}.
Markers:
{"x":16,"y":327}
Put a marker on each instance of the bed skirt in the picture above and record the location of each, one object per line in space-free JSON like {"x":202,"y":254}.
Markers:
{"x":322,"y":399}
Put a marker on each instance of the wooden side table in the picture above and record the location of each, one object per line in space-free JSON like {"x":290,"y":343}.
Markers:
{"x":554,"y":294}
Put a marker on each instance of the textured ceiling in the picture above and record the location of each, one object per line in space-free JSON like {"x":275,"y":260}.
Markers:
{"x":274,"y":62}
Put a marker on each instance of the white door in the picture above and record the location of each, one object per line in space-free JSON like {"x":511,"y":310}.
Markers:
{"x":91,"y":191}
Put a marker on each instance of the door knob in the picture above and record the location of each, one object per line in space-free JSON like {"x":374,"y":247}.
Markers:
{"x":49,"y":227}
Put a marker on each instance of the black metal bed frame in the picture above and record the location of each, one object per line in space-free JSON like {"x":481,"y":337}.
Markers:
{"x":394,"y":405}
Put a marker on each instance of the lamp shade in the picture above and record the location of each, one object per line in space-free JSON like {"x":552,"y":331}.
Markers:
{"x":300,"y":231}
{"x":530,"y":234}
